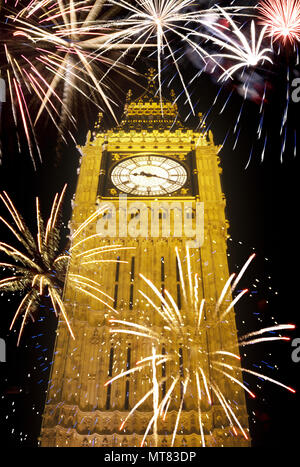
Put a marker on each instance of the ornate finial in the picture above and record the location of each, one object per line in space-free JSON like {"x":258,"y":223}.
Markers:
{"x":202,"y":122}
{"x":98,"y":123}
{"x":128,"y":99}
{"x":151,"y":74}
{"x":128,"y":96}
{"x":172,"y":95}
{"x":151,"y":79}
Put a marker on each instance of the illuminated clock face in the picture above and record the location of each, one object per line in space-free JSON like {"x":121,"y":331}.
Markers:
{"x":148,"y":175}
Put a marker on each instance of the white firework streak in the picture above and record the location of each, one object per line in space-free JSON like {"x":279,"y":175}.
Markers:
{"x":238,"y":48}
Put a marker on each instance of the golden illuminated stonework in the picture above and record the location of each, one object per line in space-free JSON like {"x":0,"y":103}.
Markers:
{"x":154,"y":160}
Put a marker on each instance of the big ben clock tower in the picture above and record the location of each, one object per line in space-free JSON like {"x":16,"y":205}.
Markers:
{"x":150,"y":160}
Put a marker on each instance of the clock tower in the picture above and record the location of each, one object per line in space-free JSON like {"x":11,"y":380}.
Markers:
{"x":149,"y":163}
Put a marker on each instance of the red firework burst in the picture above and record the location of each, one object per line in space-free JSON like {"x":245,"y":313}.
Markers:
{"x":282,"y":18}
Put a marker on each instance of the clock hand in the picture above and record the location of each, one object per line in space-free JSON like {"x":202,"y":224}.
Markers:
{"x":144,"y":174}
{"x":163,"y":178}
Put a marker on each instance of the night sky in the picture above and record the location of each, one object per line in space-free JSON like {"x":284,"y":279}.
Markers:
{"x":262,"y":208}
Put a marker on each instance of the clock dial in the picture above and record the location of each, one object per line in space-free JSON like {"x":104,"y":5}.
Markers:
{"x":148,"y":175}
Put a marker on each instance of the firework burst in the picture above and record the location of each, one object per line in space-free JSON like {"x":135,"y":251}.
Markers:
{"x":55,"y":50}
{"x":281,"y":19}
{"x":236,"y":45}
{"x":196,"y":372}
{"x":254,"y":70}
{"x":164,"y":23}
{"x":38,"y":269}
